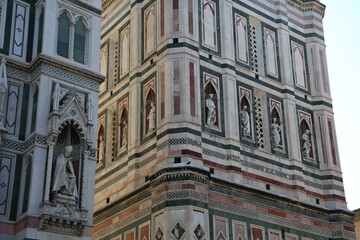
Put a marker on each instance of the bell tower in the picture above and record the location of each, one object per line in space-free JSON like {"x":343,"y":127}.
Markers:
{"x":216,"y":122}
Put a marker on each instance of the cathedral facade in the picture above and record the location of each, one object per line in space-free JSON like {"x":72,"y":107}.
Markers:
{"x":49,"y":81}
{"x":216,"y":122}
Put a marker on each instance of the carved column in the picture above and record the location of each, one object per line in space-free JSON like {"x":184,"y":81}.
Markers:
{"x":83,"y":178}
{"x":51,"y":143}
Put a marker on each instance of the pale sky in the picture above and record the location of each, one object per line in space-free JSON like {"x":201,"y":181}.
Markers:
{"x":342,"y":38}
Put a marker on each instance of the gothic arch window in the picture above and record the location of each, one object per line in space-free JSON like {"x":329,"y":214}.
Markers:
{"x":72,"y":37}
{"x":40,"y":30}
{"x":211,"y":105}
{"x":150,"y":111}
{"x":123,"y":128}
{"x":79,"y":41}
{"x":27,"y":184}
{"x":101,"y":144}
{"x":63,"y":40}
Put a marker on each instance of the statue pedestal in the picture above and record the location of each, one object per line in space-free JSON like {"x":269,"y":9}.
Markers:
{"x":62,"y":215}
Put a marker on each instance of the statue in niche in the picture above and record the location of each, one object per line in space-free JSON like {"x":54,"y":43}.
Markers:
{"x":276,"y":130}
{"x":210,"y":105}
{"x":306,"y":149}
{"x":151,"y":117}
{"x":124,"y":134}
{"x":56,"y":97}
{"x":3,"y":85}
{"x":245,"y":122}
{"x":101,"y":148}
{"x":64,"y":177}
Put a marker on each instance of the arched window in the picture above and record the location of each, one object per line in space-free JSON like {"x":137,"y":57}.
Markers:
{"x":79,"y":41}
{"x":27,"y":185}
{"x":63,"y":35}
{"x":40,"y":33}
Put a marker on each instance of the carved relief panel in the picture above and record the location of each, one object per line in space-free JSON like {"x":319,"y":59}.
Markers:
{"x":149,"y":106}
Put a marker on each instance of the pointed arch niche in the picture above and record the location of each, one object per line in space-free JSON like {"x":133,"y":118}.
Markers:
{"x":298,"y":53}
{"x":149,"y":107}
{"x":149,"y":30}
{"x":123,"y":125}
{"x":271,"y":52}
{"x":241,"y":38}
{"x":100,"y":142}
{"x":70,"y":134}
{"x":239,"y":230}
{"x":305,"y":124}
{"x":307,"y":137}
{"x":124,"y":51}
{"x":212,"y":111}
{"x":246,"y":114}
{"x":211,"y":95}
{"x":277,"y":126}
{"x":209,"y":24}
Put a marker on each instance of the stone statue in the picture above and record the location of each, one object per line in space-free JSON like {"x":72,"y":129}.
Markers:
{"x":275,"y":129}
{"x":210,"y":105}
{"x":3,"y":84}
{"x":56,"y":97}
{"x":245,"y":122}
{"x":101,"y":148}
{"x":64,"y":177}
{"x":151,"y":117}
{"x":306,"y":149}
{"x":124,"y":134}
{"x":90,"y":109}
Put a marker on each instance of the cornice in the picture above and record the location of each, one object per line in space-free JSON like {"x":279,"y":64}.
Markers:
{"x":45,"y":59}
{"x":308,"y":5}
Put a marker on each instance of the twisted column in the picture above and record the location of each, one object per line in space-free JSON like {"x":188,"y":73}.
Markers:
{"x":83,"y":179}
{"x":49,"y":170}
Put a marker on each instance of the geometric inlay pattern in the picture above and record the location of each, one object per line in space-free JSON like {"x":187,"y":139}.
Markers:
{"x":178,"y":231}
{"x":159,"y":234}
{"x":274,"y":219}
{"x":199,"y":232}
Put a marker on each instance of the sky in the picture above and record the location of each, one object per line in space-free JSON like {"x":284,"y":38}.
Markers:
{"x":342,"y":39}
